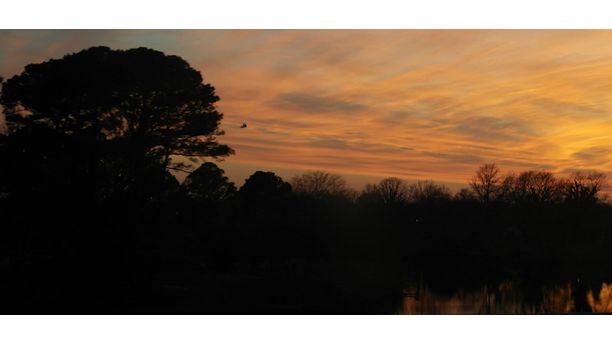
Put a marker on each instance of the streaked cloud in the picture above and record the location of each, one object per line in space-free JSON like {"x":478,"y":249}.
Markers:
{"x":409,"y":103}
{"x":309,"y":103}
{"x":593,"y":156}
{"x":493,"y":129}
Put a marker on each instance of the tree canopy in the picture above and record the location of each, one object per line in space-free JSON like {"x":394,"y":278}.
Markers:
{"x":392,"y":191}
{"x":486,"y":182}
{"x":265,"y":186}
{"x":156,"y":103}
{"x":107,"y":123}
{"x":208,"y":183}
{"x":320,"y":184}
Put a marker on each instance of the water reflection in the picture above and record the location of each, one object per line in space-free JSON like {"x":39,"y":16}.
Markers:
{"x":508,"y":297}
{"x":601,"y":303}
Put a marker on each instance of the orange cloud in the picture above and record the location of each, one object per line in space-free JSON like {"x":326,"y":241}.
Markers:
{"x":409,"y":103}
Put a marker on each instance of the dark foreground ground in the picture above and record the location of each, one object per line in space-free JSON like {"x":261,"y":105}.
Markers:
{"x":291,"y":256}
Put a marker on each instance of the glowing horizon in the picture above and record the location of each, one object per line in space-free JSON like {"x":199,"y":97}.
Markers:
{"x":414,"y":104}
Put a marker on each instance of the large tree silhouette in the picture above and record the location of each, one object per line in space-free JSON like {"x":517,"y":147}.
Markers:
{"x":116,"y":117}
{"x":156,"y":103}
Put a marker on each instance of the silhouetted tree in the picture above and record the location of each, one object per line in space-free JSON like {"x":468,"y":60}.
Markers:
{"x":465,"y":194}
{"x":116,"y":116}
{"x":535,"y":187}
{"x":392,"y":191}
{"x":264,"y":186}
{"x":485,"y":182}
{"x":318,"y":184}
{"x":583,"y":187}
{"x":507,"y":189}
{"x":208,"y":183}
{"x":428,"y":192}
{"x":389,"y":191}
{"x":369,"y":195}
{"x":155,"y":103}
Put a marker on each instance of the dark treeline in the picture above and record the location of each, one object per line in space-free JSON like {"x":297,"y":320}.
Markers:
{"x":92,"y":220}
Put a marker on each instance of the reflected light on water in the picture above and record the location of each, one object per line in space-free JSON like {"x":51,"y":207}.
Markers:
{"x":505,"y":298}
{"x":601,"y":303}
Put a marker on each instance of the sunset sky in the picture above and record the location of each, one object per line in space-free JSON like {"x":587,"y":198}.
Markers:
{"x":368,"y":104}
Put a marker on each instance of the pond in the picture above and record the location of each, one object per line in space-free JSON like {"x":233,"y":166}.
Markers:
{"x":508,"y":297}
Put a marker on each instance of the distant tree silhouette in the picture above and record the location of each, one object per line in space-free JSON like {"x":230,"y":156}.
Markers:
{"x":208,"y":183}
{"x":485,"y":182}
{"x":319,"y":184}
{"x":530,"y":187}
{"x":155,"y":103}
{"x":389,"y":191}
{"x":265,"y":186}
{"x":428,"y":192}
{"x":507,"y":188}
{"x":465,"y":194}
{"x":369,"y":195}
{"x":583,"y":187}
{"x":392,"y":191}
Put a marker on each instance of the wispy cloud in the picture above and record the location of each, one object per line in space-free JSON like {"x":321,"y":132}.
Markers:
{"x":409,"y":103}
{"x":310,"y":103}
{"x":492,"y":129}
